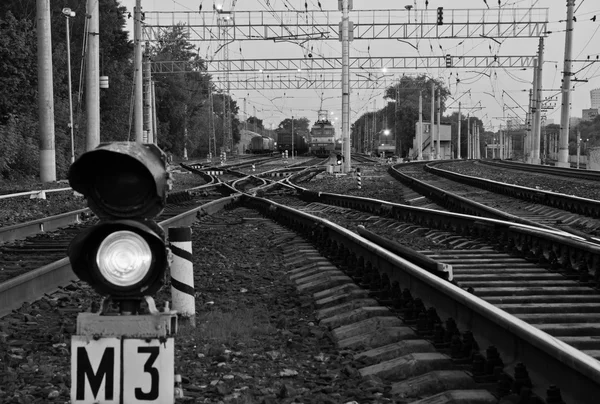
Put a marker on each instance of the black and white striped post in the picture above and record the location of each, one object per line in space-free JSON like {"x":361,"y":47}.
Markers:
{"x":358,"y":179}
{"x":182,"y":274}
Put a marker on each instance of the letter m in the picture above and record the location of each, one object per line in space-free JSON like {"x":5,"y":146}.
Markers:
{"x":105,"y":370}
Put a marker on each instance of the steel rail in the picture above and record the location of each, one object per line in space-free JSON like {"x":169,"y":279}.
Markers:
{"x":6,"y":196}
{"x":575,"y":204}
{"x":48,"y":278}
{"x":22,"y":230}
{"x":548,"y":359}
{"x":560,"y":171}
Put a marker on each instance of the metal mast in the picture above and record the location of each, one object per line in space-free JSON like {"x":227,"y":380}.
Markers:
{"x":420,"y":133}
{"x":227,"y":132}
{"x":432,"y":128}
{"x":563,"y":148}
{"x":45,"y":93}
{"x":346,"y":85}
{"x":138,"y":83}
{"x":537,"y":118}
{"x":93,"y":76}
{"x":439,"y":120}
{"x":147,"y":97}
{"x":459,"y":125}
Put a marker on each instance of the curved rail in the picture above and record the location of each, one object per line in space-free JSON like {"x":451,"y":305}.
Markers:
{"x":575,"y":204}
{"x":560,"y":171}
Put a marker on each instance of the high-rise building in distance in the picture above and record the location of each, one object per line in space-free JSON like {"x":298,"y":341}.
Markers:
{"x":595,"y":98}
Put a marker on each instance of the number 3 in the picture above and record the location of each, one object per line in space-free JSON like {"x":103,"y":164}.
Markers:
{"x":148,"y":368}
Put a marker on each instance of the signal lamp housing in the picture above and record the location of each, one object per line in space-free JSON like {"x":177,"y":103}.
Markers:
{"x":122,"y":180}
{"x":124,"y":256}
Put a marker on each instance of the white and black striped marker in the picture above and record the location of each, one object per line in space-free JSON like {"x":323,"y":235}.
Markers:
{"x":358,"y":179}
{"x":182,"y":274}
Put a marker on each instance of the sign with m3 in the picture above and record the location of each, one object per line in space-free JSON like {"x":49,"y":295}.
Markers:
{"x":121,"y":370}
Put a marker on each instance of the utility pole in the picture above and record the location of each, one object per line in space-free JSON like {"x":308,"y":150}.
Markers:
{"x":68,"y":13}
{"x":154,"y":120}
{"x":578,"y":142}
{"x":537,"y":135}
{"x":292,"y":137}
{"x":469,"y":148}
{"x":420,"y":133}
{"x":439,"y":120}
{"x":532,"y":114}
{"x":527,"y":144}
{"x":563,"y":148}
{"x":459,"y":124}
{"x":45,"y":93}
{"x":474,"y":139}
{"x":245,"y":116}
{"x":398,"y":145}
{"x":138,"y":111}
{"x":432,"y":129}
{"x":185,"y":131}
{"x":93,"y":76}
{"x":346,"y":85}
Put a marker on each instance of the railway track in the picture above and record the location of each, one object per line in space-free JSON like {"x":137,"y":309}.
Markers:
{"x":38,"y":264}
{"x":403,"y":292}
{"x":411,"y":325}
{"x":388,"y":320}
{"x":488,"y":198}
{"x":541,"y":169}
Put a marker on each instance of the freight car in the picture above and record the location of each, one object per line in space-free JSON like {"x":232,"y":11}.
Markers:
{"x":322,"y":136}
{"x":284,"y":142}
{"x":261,"y":145}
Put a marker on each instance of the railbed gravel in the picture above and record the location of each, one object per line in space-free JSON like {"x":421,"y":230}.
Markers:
{"x":256,"y":339}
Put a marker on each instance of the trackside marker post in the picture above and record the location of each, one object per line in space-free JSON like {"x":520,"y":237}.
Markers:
{"x":358,"y":177}
{"x":182,"y":274}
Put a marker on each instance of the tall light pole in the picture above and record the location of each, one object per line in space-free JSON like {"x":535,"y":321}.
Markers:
{"x":68,"y":13}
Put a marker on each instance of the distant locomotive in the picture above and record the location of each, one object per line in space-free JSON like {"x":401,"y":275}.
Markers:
{"x":385,"y":146}
{"x":261,"y":145}
{"x":284,"y":142}
{"x":322,"y":136}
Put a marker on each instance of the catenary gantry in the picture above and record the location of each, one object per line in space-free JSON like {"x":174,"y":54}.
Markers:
{"x":368,"y":24}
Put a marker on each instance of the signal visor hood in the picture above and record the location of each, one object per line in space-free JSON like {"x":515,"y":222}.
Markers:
{"x":122,"y":180}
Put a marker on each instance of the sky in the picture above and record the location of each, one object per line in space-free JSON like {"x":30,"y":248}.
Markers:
{"x":493,"y":95}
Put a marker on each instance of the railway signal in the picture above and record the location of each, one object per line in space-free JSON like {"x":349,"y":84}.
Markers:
{"x":440,"y":16}
{"x":448,"y":61}
{"x":339,"y":159}
{"x":127,"y":349}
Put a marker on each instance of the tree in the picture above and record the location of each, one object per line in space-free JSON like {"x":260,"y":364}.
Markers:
{"x":404,"y":112}
{"x":255,"y":124}
{"x":300,"y":124}
{"x":18,"y":80}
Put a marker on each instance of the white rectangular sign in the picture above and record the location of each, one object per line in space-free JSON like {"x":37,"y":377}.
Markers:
{"x":148,"y":367}
{"x":95,"y":370}
{"x":145,"y":368}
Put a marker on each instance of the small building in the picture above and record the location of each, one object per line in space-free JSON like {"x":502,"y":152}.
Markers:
{"x":428,"y":141}
{"x":589,"y":114}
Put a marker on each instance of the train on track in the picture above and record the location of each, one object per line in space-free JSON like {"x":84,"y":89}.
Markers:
{"x":285,"y":142}
{"x":322,"y":136}
{"x":260,"y":144}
